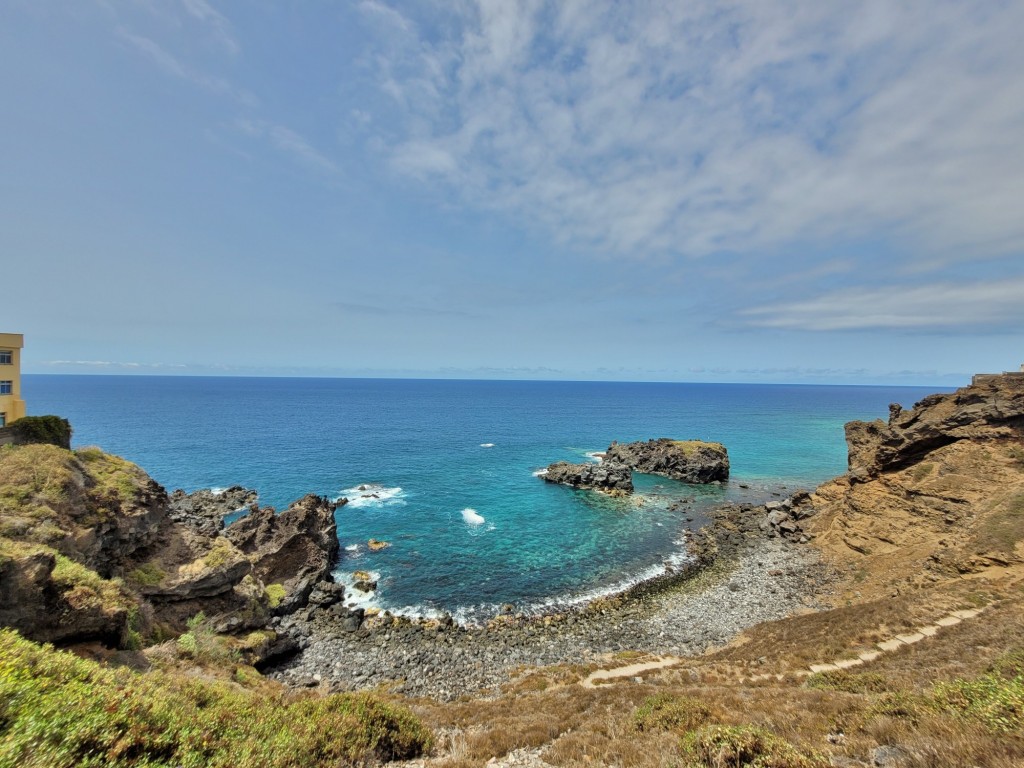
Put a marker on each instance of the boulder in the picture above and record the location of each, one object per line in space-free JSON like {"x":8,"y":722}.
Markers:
{"x":605,"y":476}
{"x":689,"y":461}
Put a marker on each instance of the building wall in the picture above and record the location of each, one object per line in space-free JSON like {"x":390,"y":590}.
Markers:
{"x":12,"y":405}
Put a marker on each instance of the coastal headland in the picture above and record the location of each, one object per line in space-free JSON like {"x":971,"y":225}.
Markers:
{"x":926,"y":525}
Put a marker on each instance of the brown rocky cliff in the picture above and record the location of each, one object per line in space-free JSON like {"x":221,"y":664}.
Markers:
{"x":990,"y":410}
{"x":936,"y":493}
{"x":90,"y":544}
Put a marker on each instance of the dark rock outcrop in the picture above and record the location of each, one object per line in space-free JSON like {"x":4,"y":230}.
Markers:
{"x":605,"y":476}
{"x":295,"y":549}
{"x":689,"y":461}
{"x":205,"y":510}
{"x":48,"y":609}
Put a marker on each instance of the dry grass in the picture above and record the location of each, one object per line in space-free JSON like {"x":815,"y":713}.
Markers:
{"x":1004,"y":526}
{"x":48,"y":493}
{"x":930,"y":700}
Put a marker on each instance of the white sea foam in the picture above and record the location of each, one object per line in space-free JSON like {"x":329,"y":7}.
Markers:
{"x":597,"y":456}
{"x":540,"y":472}
{"x":472,"y":517}
{"x":355,"y":598}
{"x":373,"y":495}
{"x":352,"y":548}
{"x":486,"y":445}
{"x":217,"y":491}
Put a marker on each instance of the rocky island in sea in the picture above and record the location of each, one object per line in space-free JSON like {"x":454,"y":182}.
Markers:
{"x":689,"y":461}
{"x":866,"y":622}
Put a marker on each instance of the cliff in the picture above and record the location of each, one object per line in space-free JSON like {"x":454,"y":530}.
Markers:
{"x":935,"y":493}
{"x":92,"y":548}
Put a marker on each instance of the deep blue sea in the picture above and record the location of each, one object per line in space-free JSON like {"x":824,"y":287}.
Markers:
{"x":449,"y":466}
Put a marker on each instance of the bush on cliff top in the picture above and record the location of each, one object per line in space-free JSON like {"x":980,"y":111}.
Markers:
{"x":58,"y":710}
{"x":42,"y":429}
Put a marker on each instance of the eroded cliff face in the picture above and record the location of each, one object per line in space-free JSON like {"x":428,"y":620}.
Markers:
{"x":935,"y":493}
{"x":92,"y":548}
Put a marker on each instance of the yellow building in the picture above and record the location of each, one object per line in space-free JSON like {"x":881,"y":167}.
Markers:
{"x":12,"y":407}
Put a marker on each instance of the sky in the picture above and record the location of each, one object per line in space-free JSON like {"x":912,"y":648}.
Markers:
{"x":797,"y":191}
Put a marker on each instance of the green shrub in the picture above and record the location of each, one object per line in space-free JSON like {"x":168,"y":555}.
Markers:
{"x":1010,"y":664}
{"x":848,"y":682}
{"x":84,"y":588}
{"x":59,"y":711}
{"x":718,"y":746}
{"x":147,"y":575}
{"x":899,"y":705}
{"x":42,"y":429}
{"x":201,"y":643}
{"x":670,"y":713}
{"x":992,"y":699}
{"x":275,"y":594}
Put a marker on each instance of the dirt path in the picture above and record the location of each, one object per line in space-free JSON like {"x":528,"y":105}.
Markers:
{"x":894,"y":643}
{"x":591,"y":680}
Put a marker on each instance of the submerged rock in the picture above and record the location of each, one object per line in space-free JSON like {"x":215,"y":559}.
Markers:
{"x":606,"y":476}
{"x":689,"y":461}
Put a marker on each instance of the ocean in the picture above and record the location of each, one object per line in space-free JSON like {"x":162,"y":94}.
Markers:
{"x":446,"y":471}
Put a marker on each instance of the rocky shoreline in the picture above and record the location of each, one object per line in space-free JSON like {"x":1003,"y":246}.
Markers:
{"x":746,"y":569}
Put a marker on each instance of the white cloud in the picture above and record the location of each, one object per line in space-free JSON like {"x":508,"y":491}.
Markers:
{"x":290,"y":143}
{"x":215,"y":22}
{"x":704,"y":126}
{"x":966,"y":307}
{"x":111,"y":364}
{"x":171,"y":65}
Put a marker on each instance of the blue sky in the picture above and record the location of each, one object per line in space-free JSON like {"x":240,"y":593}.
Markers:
{"x":700,"y":191}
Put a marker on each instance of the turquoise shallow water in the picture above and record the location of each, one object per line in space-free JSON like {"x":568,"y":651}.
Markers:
{"x":448,"y":466}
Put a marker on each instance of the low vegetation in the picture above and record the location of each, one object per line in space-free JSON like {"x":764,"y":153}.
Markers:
{"x":743,"y":746}
{"x":60,"y":711}
{"x":41,"y":429}
{"x":689,"y":447}
{"x":1003,"y":528}
{"x":666,"y":712}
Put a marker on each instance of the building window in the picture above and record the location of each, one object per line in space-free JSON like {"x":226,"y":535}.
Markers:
{"x":6,"y":357}
{"x":6,"y":387}
{"x":3,"y":420}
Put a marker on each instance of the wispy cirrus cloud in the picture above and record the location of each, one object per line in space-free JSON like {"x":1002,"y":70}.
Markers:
{"x":290,"y":143}
{"x":214,"y":21}
{"x":400,"y":308}
{"x":173,"y":66}
{"x":691,"y":128}
{"x":950,"y":307}
{"x":109,"y":365}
